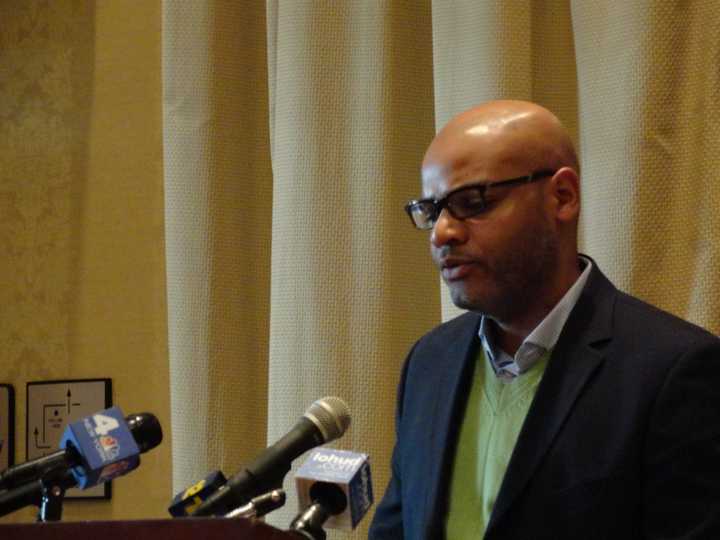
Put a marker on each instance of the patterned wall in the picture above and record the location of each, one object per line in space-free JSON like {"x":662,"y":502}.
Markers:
{"x":81,"y":227}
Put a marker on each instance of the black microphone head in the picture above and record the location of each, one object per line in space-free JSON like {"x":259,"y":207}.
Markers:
{"x":331,"y":415}
{"x":145,"y":429}
{"x":331,"y":496}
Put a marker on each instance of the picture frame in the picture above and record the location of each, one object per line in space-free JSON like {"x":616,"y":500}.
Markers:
{"x":51,"y":406}
{"x":7,"y":426}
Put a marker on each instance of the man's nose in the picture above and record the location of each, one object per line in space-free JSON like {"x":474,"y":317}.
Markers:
{"x":448,"y":230}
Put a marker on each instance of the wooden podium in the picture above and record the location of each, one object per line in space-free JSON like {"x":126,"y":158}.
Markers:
{"x":160,"y":529}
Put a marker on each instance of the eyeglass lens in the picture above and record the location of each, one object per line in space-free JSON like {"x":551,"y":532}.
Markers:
{"x":461,"y":204}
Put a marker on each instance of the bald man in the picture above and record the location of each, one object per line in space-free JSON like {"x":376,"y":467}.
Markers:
{"x":557,"y":407}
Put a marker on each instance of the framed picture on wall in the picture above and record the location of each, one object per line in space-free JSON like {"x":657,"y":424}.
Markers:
{"x":7,"y":426}
{"x":51,"y":407}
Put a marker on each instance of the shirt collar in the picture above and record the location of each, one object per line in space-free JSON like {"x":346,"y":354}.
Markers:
{"x":543,"y":337}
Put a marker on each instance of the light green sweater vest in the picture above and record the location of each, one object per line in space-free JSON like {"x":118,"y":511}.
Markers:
{"x":493,"y":418}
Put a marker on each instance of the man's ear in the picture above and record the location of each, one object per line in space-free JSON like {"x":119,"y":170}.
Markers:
{"x":565,"y":193}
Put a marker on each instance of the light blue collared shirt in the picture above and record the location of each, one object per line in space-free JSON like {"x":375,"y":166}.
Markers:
{"x":540,"y":340}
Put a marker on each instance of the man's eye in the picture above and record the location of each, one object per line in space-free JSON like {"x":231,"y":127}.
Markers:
{"x":473,"y":201}
{"x":468,"y":198}
{"x":469,"y":205}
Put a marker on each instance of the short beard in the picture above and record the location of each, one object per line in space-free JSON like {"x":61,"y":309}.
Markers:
{"x":520,"y":278}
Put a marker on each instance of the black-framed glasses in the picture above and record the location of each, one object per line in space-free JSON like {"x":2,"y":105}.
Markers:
{"x":464,"y":202}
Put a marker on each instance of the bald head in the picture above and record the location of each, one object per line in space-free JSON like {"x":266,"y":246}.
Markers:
{"x":506,"y":248}
{"x":501,"y":139}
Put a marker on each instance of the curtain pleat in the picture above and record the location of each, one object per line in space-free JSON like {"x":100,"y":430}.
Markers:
{"x":352,"y":112}
{"x":218,"y":199}
{"x":648,"y":93}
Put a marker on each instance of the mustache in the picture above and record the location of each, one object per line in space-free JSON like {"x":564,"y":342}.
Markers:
{"x":447,"y":256}
{"x":450,"y":252}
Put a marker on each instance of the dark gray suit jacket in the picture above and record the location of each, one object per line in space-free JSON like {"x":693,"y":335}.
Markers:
{"x":621,"y":441}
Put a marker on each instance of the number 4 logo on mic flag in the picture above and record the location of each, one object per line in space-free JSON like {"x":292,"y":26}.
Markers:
{"x":106,"y":445}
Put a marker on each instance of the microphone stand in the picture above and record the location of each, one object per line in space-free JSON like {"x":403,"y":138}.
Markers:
{"x":260,"y":505}
{"x":51,"y":501}
{"x":47,"y":493}
{"x":310,"y":521}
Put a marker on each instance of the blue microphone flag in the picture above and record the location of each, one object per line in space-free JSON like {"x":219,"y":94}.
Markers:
{"x":105,"y":444}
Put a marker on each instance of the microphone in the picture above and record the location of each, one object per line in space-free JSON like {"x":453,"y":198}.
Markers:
{"x":130,"y":436}
{"x":100,"y":447}
{"x":324,"y":421}
{"x":187,"y":501}
{"x":259,"y":506}
{"x":326,"y":473}
{"x":327,"y":500}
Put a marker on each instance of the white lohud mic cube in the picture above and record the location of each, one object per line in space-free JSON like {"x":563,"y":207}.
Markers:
{"x":350,"y":471}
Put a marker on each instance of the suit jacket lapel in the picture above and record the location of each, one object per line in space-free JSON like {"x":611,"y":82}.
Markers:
{"x":450,"y":394}
{"x":573,"y":361}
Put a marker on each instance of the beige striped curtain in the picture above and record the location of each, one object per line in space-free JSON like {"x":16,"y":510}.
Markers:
{"x":293,"y":133}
